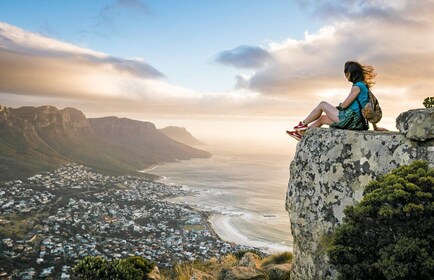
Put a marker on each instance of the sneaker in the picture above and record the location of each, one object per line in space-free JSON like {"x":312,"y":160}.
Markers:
{"x":300,"y":126}
{"x":294,"y":134}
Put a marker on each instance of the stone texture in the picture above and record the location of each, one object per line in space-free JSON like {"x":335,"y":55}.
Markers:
{"x":278,"y":271}
{"x":417,"y":124}
{"x":200,"y":275}
{"x":241,"y":273}
{"x":250,"y":260}
{"x":330,"y":170}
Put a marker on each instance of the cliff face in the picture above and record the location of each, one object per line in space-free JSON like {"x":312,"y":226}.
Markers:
{"x":330,"y":171}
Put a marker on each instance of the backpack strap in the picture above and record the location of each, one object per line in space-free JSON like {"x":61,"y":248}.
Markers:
{"x":365,"y":122}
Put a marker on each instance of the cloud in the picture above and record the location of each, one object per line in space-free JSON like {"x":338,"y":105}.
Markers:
{"x":241,"y":82}
{"x":36,"y":67}
{"x":397,"y":11}
{"x":399,"y":46}
{"x":108,"y":14}
{"x":245,"y":57}
{"x":108,"y":17}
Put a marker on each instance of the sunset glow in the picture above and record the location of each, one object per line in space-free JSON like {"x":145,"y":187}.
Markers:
{"x":238,"y":83}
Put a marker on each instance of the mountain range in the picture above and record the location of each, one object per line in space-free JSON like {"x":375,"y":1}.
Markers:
{"x":35,"y":139}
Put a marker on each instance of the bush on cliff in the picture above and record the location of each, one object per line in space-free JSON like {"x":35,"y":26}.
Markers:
{"x":131,"y":268}
{"x":389,"y":234}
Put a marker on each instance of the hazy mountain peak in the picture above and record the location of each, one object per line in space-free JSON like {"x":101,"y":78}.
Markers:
{"x":181,"y":135}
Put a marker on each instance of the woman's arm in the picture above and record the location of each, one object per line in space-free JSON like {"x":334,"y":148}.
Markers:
{"x":355,"y":90}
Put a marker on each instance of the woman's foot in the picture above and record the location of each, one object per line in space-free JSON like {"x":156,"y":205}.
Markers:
{"x":294,"y":134}
{"x":300,"y":127}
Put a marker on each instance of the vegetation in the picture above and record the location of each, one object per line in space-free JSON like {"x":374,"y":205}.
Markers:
{"x":428,"y":102}
{"x":389,"y":234}
{"x":213,"y":267}
{"x":285,"y":257}
{"x":130,"y":268}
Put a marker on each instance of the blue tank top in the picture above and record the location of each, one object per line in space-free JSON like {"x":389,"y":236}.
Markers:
{"x":363,"y":97}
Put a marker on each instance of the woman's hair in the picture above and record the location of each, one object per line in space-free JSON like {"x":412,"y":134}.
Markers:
{"x":360,"y":73}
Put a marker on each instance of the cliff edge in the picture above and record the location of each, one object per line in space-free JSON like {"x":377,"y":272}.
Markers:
{"x":330,"y":170}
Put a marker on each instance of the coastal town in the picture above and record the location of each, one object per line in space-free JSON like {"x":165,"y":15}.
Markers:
{"x":54,"y":219}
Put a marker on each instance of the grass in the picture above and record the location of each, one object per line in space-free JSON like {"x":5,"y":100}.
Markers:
{"x":18,"y":227}
{"x":285,"y":257}
{"x":184,"y":271}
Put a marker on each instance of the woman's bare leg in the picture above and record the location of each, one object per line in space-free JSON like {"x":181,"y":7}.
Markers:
{"x":324,"y":119}
{"x":331,"y":111}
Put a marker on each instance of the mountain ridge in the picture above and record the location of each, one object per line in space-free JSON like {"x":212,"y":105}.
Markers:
{"x":180,"y":134}
{"x":35,"y":139}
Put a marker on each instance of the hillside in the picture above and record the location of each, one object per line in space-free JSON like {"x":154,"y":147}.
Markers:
{"x":180,"y":134}
{"x":35,"y":139}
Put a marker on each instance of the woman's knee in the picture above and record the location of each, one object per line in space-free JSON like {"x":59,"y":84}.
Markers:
{"x":322,"y":104}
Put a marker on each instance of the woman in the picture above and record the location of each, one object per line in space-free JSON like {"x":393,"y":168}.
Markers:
{"x":348,"y":114}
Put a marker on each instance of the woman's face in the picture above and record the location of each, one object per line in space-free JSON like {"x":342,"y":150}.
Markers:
{"x":348,"y":75}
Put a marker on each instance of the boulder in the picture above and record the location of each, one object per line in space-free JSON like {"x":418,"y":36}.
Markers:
{"x":250,"y":260}
{"x":330,"y":171}
{"x":417,"y":124}
{"x":278,"y":271}
{"x":200,"y":275}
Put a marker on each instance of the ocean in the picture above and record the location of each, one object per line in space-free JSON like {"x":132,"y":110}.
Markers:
{"x":245,"y":193}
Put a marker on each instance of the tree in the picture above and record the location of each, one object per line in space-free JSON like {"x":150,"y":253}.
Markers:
{"x":390,"y":233}
{"x":131,"y":268}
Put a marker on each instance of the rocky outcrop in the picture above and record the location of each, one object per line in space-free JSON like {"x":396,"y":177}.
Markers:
{"x":417,"y":124}
{"x":330,"y":170}
{"x":278,"y":271}
{"x":200,"y":275}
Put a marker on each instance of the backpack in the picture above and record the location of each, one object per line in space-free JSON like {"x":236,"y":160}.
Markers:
{"x":372,"y":110}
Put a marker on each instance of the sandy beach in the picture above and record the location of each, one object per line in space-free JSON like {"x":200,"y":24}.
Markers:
{"x":224,"y":228}
{"x":244,"y":202}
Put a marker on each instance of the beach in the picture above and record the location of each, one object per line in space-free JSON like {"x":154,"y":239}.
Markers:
{"x":245,"y":197}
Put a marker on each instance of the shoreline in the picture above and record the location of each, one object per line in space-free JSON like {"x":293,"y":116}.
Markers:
{"x":227,"y":227}
{"x":225,"y":230}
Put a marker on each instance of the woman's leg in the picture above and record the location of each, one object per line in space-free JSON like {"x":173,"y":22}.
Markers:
{"x":324,"y":119}
{"x":331,"y":111}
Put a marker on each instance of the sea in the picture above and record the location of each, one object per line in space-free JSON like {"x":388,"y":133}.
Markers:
{"x":244,"y":193}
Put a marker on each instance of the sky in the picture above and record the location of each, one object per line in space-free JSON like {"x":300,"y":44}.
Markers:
{"x":235,"y":73}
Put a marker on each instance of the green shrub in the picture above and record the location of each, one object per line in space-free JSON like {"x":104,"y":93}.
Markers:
{"x":428,"y":102}
{"x":389,"y":234}
{"x":131,"y":268}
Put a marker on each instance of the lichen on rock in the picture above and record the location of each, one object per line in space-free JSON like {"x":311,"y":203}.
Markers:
{"x":330,"y":170}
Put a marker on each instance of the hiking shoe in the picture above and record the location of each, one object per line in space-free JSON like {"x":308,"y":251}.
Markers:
{"x":300,"y":126}
{"x":294,"y":134}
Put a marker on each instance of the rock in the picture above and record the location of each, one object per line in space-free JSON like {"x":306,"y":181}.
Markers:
{"x":330,"y":170}
{"x":241,"y":273}
{"x":154,"y":274}
{"x":250,"y":260}
{"x":200,"y":275}
{"x":278,"y":271}
{"x":417,"y":124}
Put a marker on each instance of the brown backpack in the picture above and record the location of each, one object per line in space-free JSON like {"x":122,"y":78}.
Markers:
{"x":372,"y":110}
